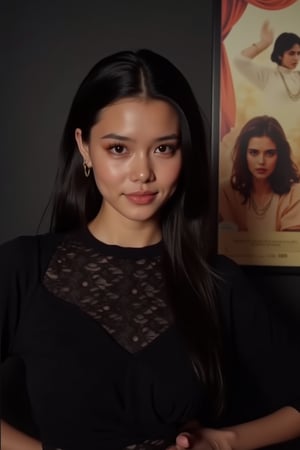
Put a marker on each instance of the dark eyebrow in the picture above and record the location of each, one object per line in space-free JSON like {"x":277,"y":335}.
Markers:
{"x":266,"y":150}
{"x":167,"y":137}
{"x":116,"y":136}
{"x":125,"y":138}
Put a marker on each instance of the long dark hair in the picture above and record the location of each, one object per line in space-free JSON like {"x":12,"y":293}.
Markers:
{"x":283,"y":43}
{"x":285,"y":173}
{"x":185,"y":218}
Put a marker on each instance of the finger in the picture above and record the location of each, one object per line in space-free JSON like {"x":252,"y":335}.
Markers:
{"x":184,"y":440}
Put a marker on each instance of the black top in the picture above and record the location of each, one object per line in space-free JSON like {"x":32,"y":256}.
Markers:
{"x":105,"y":366}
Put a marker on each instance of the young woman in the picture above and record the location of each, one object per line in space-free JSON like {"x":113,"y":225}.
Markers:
{"x":130,"y":330}
{"x":263,"y":193}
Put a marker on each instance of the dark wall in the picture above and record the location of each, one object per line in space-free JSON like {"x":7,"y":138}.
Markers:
{"x":47,"y":50}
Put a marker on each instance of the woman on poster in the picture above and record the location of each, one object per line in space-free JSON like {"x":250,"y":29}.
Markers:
{"x":263,"y":193}
{"x":280,"y":84}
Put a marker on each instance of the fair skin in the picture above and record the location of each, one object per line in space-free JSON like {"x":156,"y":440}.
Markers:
{"x":134,"y":152}
{"x":261,"y":159}
{"x":12,"y":439}
{"x":289,"y":59}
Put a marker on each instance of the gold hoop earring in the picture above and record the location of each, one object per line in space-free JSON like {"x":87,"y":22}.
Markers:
{"x":86,"y":169}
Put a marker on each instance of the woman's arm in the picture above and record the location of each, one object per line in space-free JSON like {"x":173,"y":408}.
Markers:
{"x":280,"y":426}
{"x":13,"y":439}
{"x":15,"y":266}
{"x":257,"y":74}
{"x":266,"y":39}
{"x":288,"y":213}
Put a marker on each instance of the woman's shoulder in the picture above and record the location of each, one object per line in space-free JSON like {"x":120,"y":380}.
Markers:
{"x":289,"y":209}
{"x":227,"y":188}
{"x":243,"y":62}
{"x":28,"y":242}
{"x":20,"y":252}
{"x":292,"y":196}
{"x":295,"y":190}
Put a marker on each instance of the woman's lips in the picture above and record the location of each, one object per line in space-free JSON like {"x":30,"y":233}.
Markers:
{"x":261,"y":171}
{"x":141,"y":197}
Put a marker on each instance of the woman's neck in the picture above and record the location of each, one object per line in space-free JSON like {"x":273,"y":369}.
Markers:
{"x":261,"y":187}
{"x":124,"y":232}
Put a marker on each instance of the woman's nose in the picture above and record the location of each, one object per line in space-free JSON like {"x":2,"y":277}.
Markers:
{"x":141,"y":169}
{"x":261,"y":158}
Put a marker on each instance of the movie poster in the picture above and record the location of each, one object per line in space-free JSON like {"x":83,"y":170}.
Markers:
{"x":259,"y":151}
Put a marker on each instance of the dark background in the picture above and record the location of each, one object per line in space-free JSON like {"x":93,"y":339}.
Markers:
{"x":47,"y":48}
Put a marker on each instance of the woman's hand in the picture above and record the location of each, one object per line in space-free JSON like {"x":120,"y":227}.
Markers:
{"x":280,"y":426}
{"x":266,"y":39}
{"x":204,"y":439}
{"x":266,"y":34}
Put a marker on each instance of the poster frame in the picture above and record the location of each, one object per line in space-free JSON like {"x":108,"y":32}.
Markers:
{"x":215,"y":143}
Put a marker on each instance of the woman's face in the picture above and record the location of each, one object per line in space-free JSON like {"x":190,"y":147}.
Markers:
{"x":291,"y":57}
{"x":261,"y":157}
{"x":135,"y":153}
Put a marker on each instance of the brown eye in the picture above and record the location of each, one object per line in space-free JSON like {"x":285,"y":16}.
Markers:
{"x":271,"y":153}
{"x":253,"y":152}
{"x":165,"y":149}
{"x":117,"y":149}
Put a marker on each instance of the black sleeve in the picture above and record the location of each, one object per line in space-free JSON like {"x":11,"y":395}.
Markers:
{"x":16,"y":266}
{"x":260,"y":340}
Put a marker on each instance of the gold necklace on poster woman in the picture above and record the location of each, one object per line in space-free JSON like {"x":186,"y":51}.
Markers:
{"x":260,"y":211}
{"x":292,"y":95}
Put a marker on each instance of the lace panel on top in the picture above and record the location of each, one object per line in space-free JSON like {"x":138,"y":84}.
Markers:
{"x":125,"y":295}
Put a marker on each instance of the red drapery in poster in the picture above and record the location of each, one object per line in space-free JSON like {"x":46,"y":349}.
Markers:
{"x":232,"y":10}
